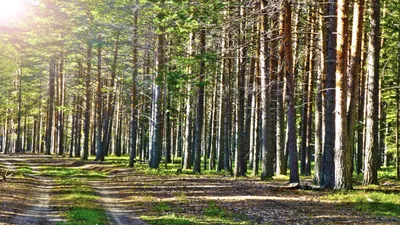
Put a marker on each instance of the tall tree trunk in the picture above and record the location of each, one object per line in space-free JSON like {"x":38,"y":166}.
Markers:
{"x":135,"y":66}
{"x":50,"y":111}
{"x":291,"y":111}
{"x":372,"y":139}
{"x":310,"y":84}
{"x":99,"y":102}
{"x":200,"y":106}
{"x":240,"y":163}
{"x":398,"y":115}
{"x":266,"y":146}
{"x":354,"y":70}
{"x":342,"y":152}
{"x":109,"y":111}
{"x":328,"y":166}
{"x":61,"y":110}
{"x":280,"y":125}
{"x":19,"y":142}
{"x":156,"y":139}
{"x":86,"y":129}
{"x":187,"y":159}
{"x":361,"y":108}
{"x":320,"y":97}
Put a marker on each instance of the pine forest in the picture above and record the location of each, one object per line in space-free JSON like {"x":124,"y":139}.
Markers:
{"x":199,"y":112}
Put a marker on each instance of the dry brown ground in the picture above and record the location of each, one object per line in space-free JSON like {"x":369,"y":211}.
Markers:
{"x":126,"y":193}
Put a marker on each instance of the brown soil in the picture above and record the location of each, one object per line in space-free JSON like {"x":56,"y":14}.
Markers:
{"x":126,"y":193}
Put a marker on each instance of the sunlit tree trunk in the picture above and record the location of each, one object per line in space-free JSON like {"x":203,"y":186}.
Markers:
{"x":187,"y":147}
{"x":319,"y":100}
{"x":19,"y":146}
{"x":266,"y":146}
{"x":361,"y":108}
{"x":372,"y":139}
{"x":61,"y":110}
{"x":50,"y":110}
{"x":343,"y":155}
{"x":156,"y":124}
{"x":280,"y":125}
{"x":240,"y":163}
{"x":355,"y":69}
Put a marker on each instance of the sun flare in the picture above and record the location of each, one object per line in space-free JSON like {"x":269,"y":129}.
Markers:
{"x":10,"y":8}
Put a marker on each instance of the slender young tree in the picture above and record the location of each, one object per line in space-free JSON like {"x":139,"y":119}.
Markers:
{"x":135,"y":67}
{"x":50,"y":111}
{"x":61,"y":110}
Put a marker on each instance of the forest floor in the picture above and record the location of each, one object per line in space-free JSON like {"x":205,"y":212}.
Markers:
{"x":57,"y":190}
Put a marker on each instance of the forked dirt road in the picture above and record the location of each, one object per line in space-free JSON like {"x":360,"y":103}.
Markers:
{"x":29,"y":200}
{"x":125,"y":194}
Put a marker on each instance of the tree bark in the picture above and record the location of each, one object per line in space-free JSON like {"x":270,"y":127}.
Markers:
{"x":99,"y":102}
{"x":135,"y":66}
{"x":200,"y":106}
{"x":327,"y":175}
{"x":267,"y":170}
{"x":156,"y":139}
{"x":372,"y":138}
{"x":291,"y":112}
{"x":86,"y":128}
{"x":50,"y":111}
{"x":240,"y":163}
{"x":343,"y":156}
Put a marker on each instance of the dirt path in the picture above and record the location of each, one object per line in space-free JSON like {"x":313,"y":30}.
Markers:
{"x":40,"y":211}
{"x":30,"y":201}
{"x":125,"y":193}
{"x":115,"y":205}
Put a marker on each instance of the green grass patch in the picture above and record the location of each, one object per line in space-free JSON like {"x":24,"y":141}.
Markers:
{"x":375,"y":202}
{"x":83,"y":216}
{"x":162,"y":207}
{"x":77,"y":191}
{"x":175,"y":219}
{"x":165,"y":213}
{"x":23,"y":170}
{"x":74,"y":191}
{"x":170,"y":219}
{"x":213,"y":210}
{"x":70,"y":172}
{"x":171,"y":170}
